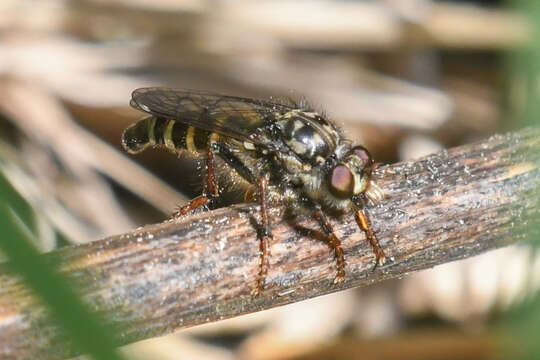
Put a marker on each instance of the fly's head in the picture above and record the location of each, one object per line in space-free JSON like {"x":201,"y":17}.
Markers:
{"x":350,"y":177}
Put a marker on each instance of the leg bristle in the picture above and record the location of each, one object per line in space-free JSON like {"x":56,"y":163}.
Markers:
{"x":334,"y":243}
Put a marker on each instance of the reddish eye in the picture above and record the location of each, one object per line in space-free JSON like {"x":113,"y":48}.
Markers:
{"x":364,"y":155}
{"x":341,"y":182}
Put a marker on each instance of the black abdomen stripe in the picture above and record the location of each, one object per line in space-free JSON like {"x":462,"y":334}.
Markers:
{"x":173,"y":135}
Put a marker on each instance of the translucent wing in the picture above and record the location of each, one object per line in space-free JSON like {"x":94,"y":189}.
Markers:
{"x":236,"y":117}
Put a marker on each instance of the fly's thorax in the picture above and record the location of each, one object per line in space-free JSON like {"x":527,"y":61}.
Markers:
{"x":291,"y":165}
{"x":309,"y":136}
{"x":314,"y":181}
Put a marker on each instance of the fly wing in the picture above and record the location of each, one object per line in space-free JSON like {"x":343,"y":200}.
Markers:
{"x":236,"y":117}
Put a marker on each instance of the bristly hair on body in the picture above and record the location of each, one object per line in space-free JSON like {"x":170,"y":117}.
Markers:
{"x":271,"y":152}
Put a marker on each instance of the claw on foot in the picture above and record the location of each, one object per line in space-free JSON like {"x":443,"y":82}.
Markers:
{"x":340,"y":276}
{"x":380,"y":260}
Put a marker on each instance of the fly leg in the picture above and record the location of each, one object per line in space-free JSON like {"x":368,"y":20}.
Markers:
{"x":191,"y":206}
{"x":261,"y":193}
{"x":364,"y":224}
{"x":210,"y":190}
{"x":334,"y":243}
{"x":264,"y":235}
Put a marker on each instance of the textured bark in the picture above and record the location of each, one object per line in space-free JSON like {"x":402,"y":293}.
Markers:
{"x":160,"y":278}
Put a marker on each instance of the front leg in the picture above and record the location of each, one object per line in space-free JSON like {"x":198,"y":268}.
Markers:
{"x":363,"y":223}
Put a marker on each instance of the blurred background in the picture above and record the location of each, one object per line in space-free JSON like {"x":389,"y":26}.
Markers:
{"x":405,"y":78}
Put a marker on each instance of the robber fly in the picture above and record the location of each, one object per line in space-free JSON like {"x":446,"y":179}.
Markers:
{"x":267,"y":151}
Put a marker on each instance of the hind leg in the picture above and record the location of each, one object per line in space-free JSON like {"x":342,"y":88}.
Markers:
{"x":264,"y":236}
{"x":264,"y":232}
{"x":210,"y":190}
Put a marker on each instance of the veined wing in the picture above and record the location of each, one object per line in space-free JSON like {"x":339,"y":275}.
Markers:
{"x":232,"y":116}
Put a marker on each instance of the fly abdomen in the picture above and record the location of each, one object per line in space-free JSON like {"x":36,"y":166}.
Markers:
{"x":171,"y":134}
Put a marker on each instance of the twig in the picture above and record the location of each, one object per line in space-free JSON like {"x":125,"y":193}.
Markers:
{"x":163,"y":277}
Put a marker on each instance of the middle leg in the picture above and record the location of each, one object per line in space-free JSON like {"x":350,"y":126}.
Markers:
{"x":333,"y":242}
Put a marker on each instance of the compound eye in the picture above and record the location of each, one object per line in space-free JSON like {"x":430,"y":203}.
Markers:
{"x":362,"y":153}
{"x":342,"y":182}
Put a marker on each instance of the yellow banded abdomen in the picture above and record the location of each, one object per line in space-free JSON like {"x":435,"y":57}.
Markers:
{"x":171,"y":134}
